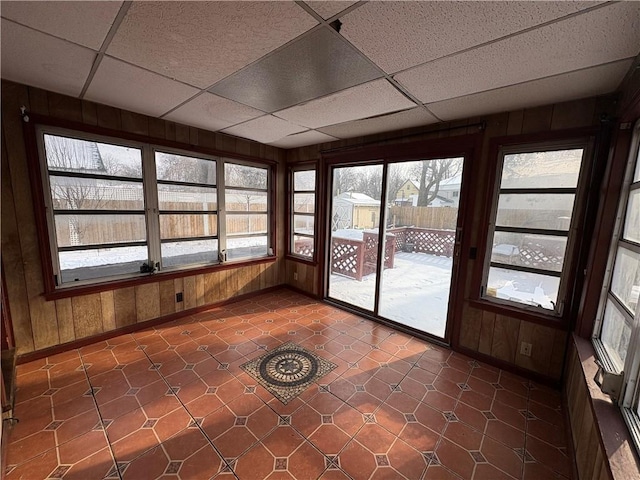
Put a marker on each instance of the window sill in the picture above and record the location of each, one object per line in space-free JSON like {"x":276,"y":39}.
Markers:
{"x":549,"y":320}
{"x":614,"y":433}
{"x":306,"y":260}
{"x":66,"y":292}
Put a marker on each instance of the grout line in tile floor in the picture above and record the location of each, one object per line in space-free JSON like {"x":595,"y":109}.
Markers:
{"x":338,"y":329}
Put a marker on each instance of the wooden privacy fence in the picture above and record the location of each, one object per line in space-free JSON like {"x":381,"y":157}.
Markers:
{"x":426,"y":217}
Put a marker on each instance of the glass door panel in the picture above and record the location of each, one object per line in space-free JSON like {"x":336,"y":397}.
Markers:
{"x":421,"y":219}
{"x":355,"y":226}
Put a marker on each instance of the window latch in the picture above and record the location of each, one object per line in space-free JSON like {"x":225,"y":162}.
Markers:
{"x":609,"y":382}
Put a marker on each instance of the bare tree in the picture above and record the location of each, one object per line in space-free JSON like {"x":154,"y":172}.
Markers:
{"x":432,"y":173}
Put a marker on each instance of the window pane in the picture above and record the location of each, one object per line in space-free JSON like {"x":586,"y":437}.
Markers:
{"x":303,"y":246}
{"x":304,"y":202}
{"x":104,"y":262}
{"x":89,"y":157}
{"x":636,"y":177}
{"x":542,"y":169}
{"x":69,"y":193}
{"x":304,"y":180}
{"x":237,"y":224}
{"x":246,"y":247}
{"x":632,"y":220}
{"x":522,"y":287}
{"x":244,"y":176}
{"x":82,"y":230}
{"x":548,"y":211}
{"x":537,"y":251}
{"x":185,"y":226}
{"x":625,"y":282}
{"x":180,"y":168}
{"x":187,"y":253}
{"x":183,"y":197}
{"x":245,"y":201}
{"x":303,"y":224}
{"x":616,"y":333}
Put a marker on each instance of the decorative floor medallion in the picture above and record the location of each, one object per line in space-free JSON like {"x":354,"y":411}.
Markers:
{"x":286,"y":371}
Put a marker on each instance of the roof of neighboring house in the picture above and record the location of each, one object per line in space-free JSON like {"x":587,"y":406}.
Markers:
{"x":358,"y":199}
{"x":439,"y":201}
{"x":451,"y":183}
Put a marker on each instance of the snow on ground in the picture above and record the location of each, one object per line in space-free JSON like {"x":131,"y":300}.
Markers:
{"x":415,"y":292}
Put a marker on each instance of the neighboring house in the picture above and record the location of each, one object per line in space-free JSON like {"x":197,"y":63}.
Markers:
{"x":449,"y":190}
{"x":355,"y":210}
{"x":408,"y":194}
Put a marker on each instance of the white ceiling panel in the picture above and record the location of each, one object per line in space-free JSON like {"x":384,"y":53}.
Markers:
{"x":124,"y":86}
{"x":373,"y":98}
{"x":543,"y":52}
{"x":571,"y":86}
{"x":310,"y":137}
{"x":399,"y":35}
{"x":329,"y":9}
{"x":212,"y":112}
{"x":85,"y":23}
{"x":202,"y":42}
{"x":385,"y":123}
{"x":267,"y":129}
{"x":40,"y":60}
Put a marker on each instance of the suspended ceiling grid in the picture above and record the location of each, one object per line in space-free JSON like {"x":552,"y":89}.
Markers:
{"x":291,"y":74}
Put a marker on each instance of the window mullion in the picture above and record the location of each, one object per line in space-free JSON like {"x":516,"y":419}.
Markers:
{"x":151,"y":203}
{"x":222,"y":210}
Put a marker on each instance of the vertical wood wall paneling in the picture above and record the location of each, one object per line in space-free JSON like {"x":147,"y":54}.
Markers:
{"x":12,"y":263}
{"x":147,"y":301}
{"x":87,"y":315}
{"x":64,"y":312}
{"x":124,"y":300}
{"x":44,"y":323}
{"x":189,"y":286}
{"x":108,"y":311}
{"x":167,"y":297}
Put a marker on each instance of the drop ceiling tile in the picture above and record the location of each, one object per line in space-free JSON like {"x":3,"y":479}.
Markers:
{"x":85,"y":23}
{"x":125,"y":86}
{"x":384,"y":123}
{"x":212,"y":113}
{"x":368,"y":100}
{"x":267,"y":129}
{"x":399,"y":35}
{"x":40,"y":60}
{"x":202,"y":42}
{"x":543,"y":52}
{"x":329,"y":9}
{"x":561,"y":88}
{"x":310,"y":137}
{"x":315,"y":65}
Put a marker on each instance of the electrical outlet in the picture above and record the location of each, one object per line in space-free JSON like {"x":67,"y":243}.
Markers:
{"x":525,"y":349}
{"x":178,"y":297}
{"x":295,"y":275}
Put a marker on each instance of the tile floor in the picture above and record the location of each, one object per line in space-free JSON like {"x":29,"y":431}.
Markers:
{"x":172,"y":402}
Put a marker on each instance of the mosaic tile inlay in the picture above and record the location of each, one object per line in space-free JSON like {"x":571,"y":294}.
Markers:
{"x":287,"y":371}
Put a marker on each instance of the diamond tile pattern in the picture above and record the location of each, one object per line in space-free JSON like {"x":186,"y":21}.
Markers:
{"x":207,"y":422}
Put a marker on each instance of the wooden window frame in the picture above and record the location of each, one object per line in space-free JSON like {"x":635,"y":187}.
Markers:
{"x":299,"y":167}
{"x":32,"y":122}
{"x":592,"y":140}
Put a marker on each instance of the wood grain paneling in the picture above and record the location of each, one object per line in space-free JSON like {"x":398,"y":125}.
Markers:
{"x":486,"y":332}
{"x":147,"y":301}
{"x":64,"y":312}
{"x":124,"y":300}
{"x":38,"y":323}
{"x":472,"y":323}
{"x":87,"y":315}
{"x":505,"y":338}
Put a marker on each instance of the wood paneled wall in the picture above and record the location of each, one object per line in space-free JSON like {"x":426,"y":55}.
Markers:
{"x":39,"y":324}
{"x":589,"y":454}
{"x":482,"y":331}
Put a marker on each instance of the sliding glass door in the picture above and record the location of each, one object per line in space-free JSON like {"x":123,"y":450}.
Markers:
{"x":394,"y":258}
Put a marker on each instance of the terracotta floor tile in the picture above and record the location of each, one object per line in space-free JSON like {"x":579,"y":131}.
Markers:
{"x":173,"y":402}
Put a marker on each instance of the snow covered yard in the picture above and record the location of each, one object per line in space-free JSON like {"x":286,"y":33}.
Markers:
{"x":415,"y":292}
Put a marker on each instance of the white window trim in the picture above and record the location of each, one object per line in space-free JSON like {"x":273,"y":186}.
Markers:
{"x":629,"y":400}
{"x":563,"y":288}
{"x":150,"y":195}
{"x":292,"y":213}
